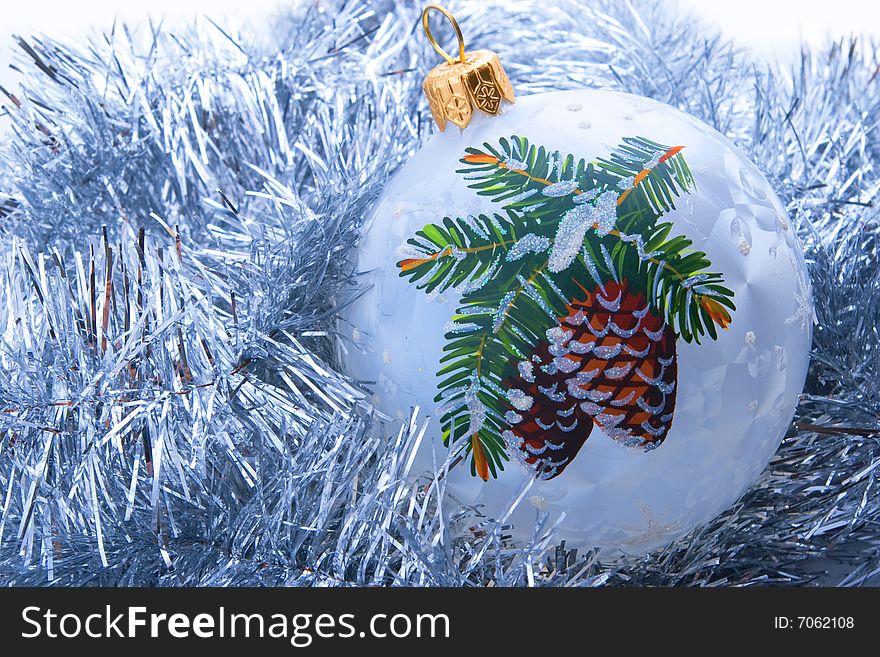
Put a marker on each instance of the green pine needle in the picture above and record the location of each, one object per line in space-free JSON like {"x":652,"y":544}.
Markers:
{"x":510,"y":299}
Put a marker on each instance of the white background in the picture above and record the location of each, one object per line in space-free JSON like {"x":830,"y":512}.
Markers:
{"x":772,"y":27}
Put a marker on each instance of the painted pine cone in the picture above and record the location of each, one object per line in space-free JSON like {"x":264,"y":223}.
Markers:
{"x":611,"y":361}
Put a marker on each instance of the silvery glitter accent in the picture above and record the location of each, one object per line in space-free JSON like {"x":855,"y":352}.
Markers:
{"x":526,"y":370}
{"x":535,"y":295}
{"x":566,"y":412}
{"x":476,"y":408}
{"x":606,"y":257}
{"x":565,"y":429}
{"x":512,"y":417}
{"x":513,"y":328}
{"x":522,"y":196}
{"x":570,"y":237}
{"x":553,"y":160}
{"x":611,"y":305}
{"x":513,"y":441}
{"x":537,"y":450}
{"x":639,"y":243}
{"x":585,"y":196}
{"x":464,"y":327}
{"x":516,"y":149}
{"x":577,"y":319}
{"x":627,"y":155}
{"x":658,"y":280}
{"x":545,"y":426}
{"x":493,"y":218}
{"x":489,"y":384}
{"x":591,"y":408}
{"x":558,"y":351}
{"x":561,"y":188}
{"x":610,"y":420}
{"x":623,"y":333}
{"x":451,"y":393}
{"x":412,"y":251}
{"x":626,"y":183}
{"x":624,"y":437}
{"x":591,"y":267}
{"x":653,"y":410}
{"x":503,"y":309}
{"x":550,"y":368}
{"x":575,"y":390}
{"x":624,"y":401}
{"x":528,"y":243}
{"x":599,"y":333}
{"x":467,"y":311}
{"x":581,"y":347}
{"x":519,"y":400}
{"x":548,"y":281}
{"x":558,"y":336}
{"x":585,"y":376}
{"x":597,"y":395}
{"x":605,"y":215}
{"x":478,"y":283}
{"x":618,"y":372}
{"x":438,"y":264}
{"x":472,"y":223}
{"x":694,"y":280}
{"x":651,"y":429}
{"x":656,"y":381}
{"x":608,"y":352}
{"x":566,"y":365}
{"x":455,"y":253}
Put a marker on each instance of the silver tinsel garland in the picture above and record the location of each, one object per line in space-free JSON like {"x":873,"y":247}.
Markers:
{"x":179,"y":208}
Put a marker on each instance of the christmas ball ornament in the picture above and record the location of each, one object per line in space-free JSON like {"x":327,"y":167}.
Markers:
{"x":598,"y":299}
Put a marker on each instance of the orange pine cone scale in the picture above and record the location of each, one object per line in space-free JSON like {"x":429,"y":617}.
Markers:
{"x":610,"y":362}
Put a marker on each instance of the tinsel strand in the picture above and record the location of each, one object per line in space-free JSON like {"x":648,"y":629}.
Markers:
{"x":179,"y":210}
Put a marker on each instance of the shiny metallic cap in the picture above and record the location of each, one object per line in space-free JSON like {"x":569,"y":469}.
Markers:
{"x":475,"y":81}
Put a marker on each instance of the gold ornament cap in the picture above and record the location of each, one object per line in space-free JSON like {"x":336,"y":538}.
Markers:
{"x":455,"y":88}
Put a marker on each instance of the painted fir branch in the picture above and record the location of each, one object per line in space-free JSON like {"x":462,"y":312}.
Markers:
{"x":563,"y":226}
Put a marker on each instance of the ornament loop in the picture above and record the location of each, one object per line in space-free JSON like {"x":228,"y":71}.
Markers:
{"x":433,"y":41}
{"x":457,"y":89}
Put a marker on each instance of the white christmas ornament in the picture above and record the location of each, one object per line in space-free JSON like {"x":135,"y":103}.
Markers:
{"x":597,"y":298}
